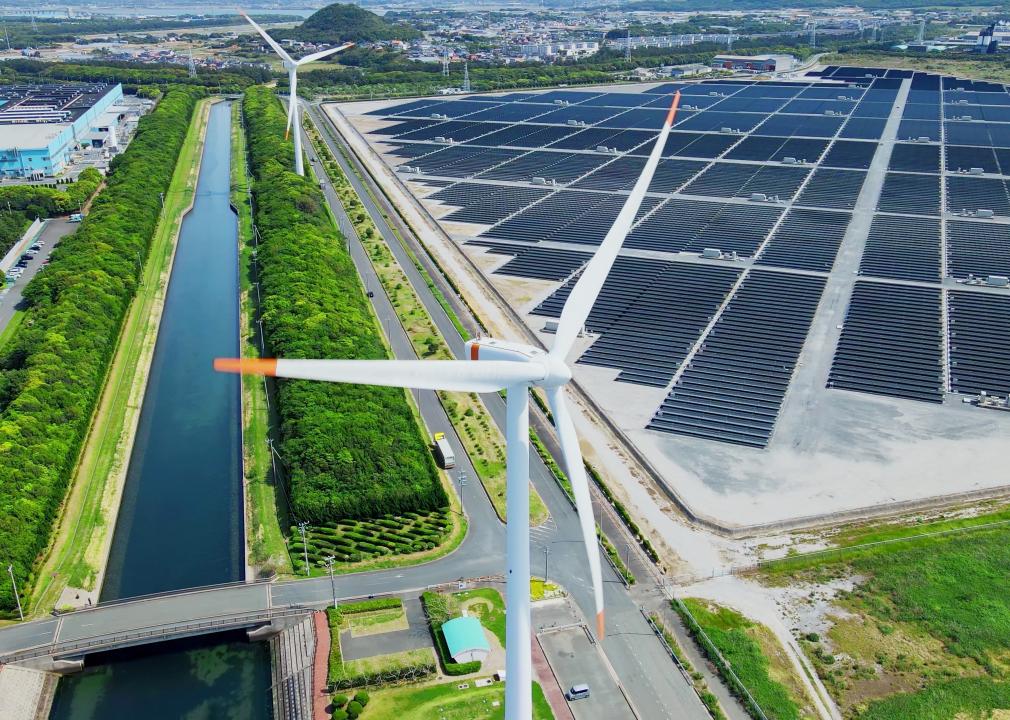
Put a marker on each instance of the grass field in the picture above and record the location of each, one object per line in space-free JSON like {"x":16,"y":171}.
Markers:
{"x":487,"y":605}
{"x":755,"y":657}
{"x":85,"y":529}
{"x":266,"y":506}
{"x":16,"y":319}
{"x":448,"y":702}
{"x":482,"y":439}
{"x":927,"y":625}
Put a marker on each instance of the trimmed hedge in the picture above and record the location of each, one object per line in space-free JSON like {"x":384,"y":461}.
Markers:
{"x":53,"y":368}
{"x":353,"y":451}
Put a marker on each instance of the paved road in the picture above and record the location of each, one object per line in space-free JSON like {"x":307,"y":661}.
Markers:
{"x":647,"y":673}
{"x":55,"y":230}
{"x":640,"y":662}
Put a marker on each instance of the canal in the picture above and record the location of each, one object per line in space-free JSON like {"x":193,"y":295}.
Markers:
{"x":180,"y":524}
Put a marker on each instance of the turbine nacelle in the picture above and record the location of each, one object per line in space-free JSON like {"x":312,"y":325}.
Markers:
{"x":555,"y":372}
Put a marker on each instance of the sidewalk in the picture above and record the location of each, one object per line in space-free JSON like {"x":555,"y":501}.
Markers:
{"x":320,"y":664}
{"x":549,"y":682}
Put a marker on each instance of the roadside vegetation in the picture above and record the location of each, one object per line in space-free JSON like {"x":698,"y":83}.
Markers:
{"x":87,"y":521}
{"x":54,"y":366}
{"x":266,"y":510}
{"x":924,"y":631}
{"x":349,"y":451}
{"x":748,"y":658}
{"x":447,"y":701}
{"x":483,"y":441}
{"x":380,"y":669}
{"x":21,"y":204}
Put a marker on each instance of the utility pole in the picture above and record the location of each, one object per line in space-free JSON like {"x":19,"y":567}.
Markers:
{"x":627,"y":46}
{"x":729,"y":40}
{"x":328,"y":562}
{"x":7,"y":38}
{"x":547,"y":553}
{"x":162,"y":196}
{"x":10,"y":570}
{"x":466,"y":77}
{"x":302,"y":527}
{"x":191,"y":64}
{"x":462,"y":484}
{"x":813,"y":35}
{"x":445,"y":63}
{"x":922,"y":29}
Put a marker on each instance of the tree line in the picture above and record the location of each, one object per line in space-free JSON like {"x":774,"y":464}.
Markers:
{"x":53,"y":368}
{"x":351,"y":451}
{"x":20,"y":204}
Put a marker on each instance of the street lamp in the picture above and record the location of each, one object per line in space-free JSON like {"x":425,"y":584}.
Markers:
{"x":462,"y":484}
{"x":547,"y":553}
{"x":10,"y":570}
{"x":328,"y":562}
{"x":302,"y":527}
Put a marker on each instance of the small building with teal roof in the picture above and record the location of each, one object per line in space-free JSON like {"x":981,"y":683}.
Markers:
{"x":464,"y":636}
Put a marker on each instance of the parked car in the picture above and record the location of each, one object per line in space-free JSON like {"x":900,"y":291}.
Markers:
{"x":577,"y":692}
{"x":76,"y":218}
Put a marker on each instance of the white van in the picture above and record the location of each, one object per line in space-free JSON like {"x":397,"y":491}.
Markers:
{"x":577,"y":692}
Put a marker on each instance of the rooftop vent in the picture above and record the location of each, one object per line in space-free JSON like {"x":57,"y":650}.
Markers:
{"x":975,"y":171}
{"x":923,"y":138}
{"x":789,"y":161}
{"x":758,"y":197}
{"x":711,"y":253}
{"x":998,"y":281}
{"x":984,"y":213}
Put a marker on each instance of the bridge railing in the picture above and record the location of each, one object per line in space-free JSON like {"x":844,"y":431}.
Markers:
{"x":138,"y":636}
{"x":238,"y":584}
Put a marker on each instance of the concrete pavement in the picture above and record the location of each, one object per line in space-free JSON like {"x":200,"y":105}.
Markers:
{"x":10,"y":299}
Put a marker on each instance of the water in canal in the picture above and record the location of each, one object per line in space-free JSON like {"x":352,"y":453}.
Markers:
{"x":181,"y":520}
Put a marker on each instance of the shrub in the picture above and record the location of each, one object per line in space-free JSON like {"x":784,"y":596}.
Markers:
{"x":361,"y":698}
{"x":353,"y":709}
{"x":339,"y":714}
{"x":339,"y":700}
{"x":53,"y":368}
{"x":352,"y":450}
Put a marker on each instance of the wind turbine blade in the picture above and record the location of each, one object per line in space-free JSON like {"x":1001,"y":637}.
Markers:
{"x":580,"y":488}
{"x":270,"y":41}
{"x":292,"y":100}
{"x":459,"y":375}
{"x":323,"y":53}
{"x":583,"y":296}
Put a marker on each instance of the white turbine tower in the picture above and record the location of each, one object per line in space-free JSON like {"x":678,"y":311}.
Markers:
{"x":292,"y":67}
{"x":495,"y":365}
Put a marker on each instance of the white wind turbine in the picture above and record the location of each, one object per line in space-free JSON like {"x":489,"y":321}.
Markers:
{"x":495,"y":365}
{"x":292,"y":67}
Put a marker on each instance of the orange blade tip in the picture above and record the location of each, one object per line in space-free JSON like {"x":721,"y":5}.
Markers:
{"x":247,"y":366}
{"x":600,"y":625}
{"x":673,"y":107}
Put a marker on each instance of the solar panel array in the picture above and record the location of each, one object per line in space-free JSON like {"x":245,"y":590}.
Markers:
{"x":760,"y":182}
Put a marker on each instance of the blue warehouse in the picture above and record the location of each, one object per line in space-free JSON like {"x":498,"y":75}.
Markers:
{"x":41,"y":125}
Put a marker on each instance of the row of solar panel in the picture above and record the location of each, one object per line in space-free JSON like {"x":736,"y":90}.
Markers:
{"x":733,"y":387}
{"x":898,"y":247}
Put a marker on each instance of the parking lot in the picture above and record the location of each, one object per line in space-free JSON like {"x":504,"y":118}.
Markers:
{"x":574,"y":659}
{"x":10,"y":294}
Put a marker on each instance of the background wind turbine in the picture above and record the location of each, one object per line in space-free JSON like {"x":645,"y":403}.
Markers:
{"x":292,"y":67}
{"x":495,"y":365}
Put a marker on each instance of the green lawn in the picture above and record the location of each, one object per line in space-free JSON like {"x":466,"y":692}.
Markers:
{"x":8,"y":332}
{"x":447,"y":702}
{"x":491,"y":611}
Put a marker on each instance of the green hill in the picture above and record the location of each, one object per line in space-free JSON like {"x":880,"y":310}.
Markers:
{"x":341,"y":23}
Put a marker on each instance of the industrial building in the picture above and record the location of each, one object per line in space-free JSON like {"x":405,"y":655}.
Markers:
{"x":42,"y":125}
{"x":753,"y":63}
